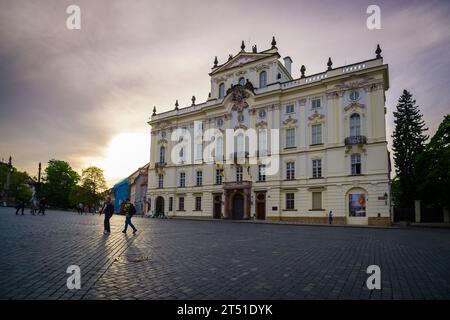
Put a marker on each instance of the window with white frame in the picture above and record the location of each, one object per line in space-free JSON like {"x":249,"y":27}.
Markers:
{"x":355,"y":125}
{"x":219,"y":149}
{"x":162,"y":154}
{"x":219,"y":176}
{"x":290,"y":170}
{"x":356,"y":163}
{"x":182,"y":179}
{"x":261,"y":172}
{"x":315,"y":103}
{"x":290,"y":201}
{"x":290,"y":108}
{"x":317,"y":200}
{"x":263,"y":79}
{"x":316,"y":134}
{"x":199,"y":178}
{"x":239,"y":174}
{"x":181,"y":203}
{"x":221,"y":90}
{"x":198,"y":203}
{"x":262,"y":142}
{"x":160,"y":181}
{"x":170,"y":203}
{"x":290,"y":137}
{"x":317,"y":168}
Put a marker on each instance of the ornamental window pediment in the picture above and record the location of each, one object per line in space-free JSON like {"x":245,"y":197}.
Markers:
{"x":289,"y":121}
{"x":353,"y":106}
{"x":316,"y":117}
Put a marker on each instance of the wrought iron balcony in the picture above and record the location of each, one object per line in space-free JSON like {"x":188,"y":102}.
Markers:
{"x":355,"y":140}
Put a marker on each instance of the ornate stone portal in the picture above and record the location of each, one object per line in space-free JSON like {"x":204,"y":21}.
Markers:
{"x":237,"y":200}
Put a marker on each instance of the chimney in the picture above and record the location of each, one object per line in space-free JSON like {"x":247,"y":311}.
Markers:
{"x":288,"y":63}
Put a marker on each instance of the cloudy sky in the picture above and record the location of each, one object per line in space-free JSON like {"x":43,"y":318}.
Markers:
{"x":84,"y":96}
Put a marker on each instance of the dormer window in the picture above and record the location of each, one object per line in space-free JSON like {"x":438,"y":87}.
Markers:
{"x":263,"y":79}
{"x":241,"y":81}
{"x":221,"y":90}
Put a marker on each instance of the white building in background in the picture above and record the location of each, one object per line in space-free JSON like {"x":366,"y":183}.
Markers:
{"x":332,"y":144}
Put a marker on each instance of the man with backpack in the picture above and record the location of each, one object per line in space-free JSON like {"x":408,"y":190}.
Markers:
{"x":129,"y":211}
{"x":108,"y":210}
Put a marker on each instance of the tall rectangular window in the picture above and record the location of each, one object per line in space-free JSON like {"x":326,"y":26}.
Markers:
{"x":262,"y":142}
{"x":199,"y":180}
{"x":317,"y":200}
{"x":261,"y":172}
{"x":182,"y":179}
{"x":219,"y":174}
{"x":290,"y":138}
{"x":198,"y":203}
{"x":160,"y":181}
{"x":356,"y":163}
{"x":316,"y":134}
{"x":290,"y":201}
{"x":238,"y":174}
{"x":317,"y":168}
{"x":290,"y":170}
{"x":170,"y":203}
{"x":181,"y":203}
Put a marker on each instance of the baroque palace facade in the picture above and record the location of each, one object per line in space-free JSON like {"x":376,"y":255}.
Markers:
{"x":331,"y":141}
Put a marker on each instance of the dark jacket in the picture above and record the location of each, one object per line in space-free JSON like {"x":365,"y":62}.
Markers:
{"x":108,"y":209}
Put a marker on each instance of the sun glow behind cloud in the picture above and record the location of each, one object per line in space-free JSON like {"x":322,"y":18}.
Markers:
{"x":124,"y":155}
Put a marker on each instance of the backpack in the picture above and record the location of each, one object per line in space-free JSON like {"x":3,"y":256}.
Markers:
{"x":132,"y":209}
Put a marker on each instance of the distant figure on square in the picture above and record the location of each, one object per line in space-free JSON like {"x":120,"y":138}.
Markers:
{"x":330,"y":217}
{"x":108,"y":210}
{"x":20,"y":205}
{"x":34,"y":206}
{"x":42,"y":205}
{"x":129,"y":210}
{"x":80,"y":208}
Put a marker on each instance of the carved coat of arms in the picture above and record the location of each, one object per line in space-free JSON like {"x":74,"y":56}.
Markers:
{"x":239,"y":96}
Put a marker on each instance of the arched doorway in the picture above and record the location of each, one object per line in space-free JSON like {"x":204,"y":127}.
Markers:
{"x":159,"y":207}
{"x":238,"y":206}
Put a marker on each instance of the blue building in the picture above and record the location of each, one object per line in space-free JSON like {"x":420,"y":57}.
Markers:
{"x":121,"y":193}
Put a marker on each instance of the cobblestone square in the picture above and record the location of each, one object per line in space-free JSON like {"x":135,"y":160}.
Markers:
{"x":185,"y":259}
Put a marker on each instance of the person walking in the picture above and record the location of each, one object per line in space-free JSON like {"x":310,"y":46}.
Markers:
{"x":330,"y":217}
{"x":108,"y":210}
{"x":20,"y":205}
{"x":42,"y":205}
{"x":129,"y":211}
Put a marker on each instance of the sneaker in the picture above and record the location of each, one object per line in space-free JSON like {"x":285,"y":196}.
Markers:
{"x":134,"y":232}
{"x":124,"y":231}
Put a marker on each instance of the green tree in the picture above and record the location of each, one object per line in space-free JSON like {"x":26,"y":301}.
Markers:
{"x":433,"y":167}
{"x":19,"y":187}
{"x":60,"y":178}
{"x":93,"y":180}
{"x":408,"y":142}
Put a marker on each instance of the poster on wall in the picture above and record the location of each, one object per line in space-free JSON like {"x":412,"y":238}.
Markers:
{"x":357,"y":205}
